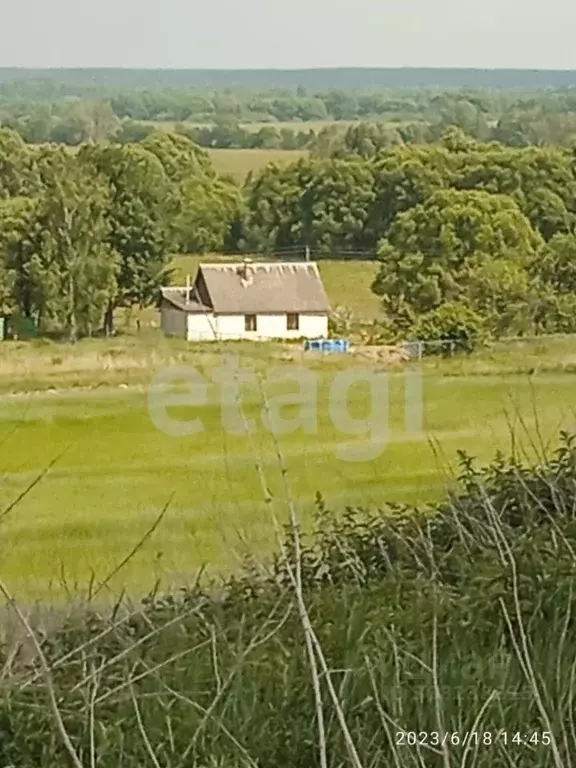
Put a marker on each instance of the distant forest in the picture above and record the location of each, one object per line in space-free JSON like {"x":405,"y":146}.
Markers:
{"x":70,"y":80}
{"x":298,"y":109}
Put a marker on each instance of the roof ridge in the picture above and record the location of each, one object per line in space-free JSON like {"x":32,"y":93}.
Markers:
{"x":260,"y":264}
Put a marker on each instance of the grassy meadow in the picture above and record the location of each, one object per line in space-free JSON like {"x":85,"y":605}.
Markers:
{"x":78,"y":444}
{"x":238,"y":163}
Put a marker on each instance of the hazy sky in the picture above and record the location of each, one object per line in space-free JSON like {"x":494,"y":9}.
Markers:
{"x":288,"y":33}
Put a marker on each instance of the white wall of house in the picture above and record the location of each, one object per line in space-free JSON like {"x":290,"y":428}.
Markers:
{"x":271,"y":326}
{"x":232,"y":327}
{"x":173,"y":322}
{"x":202,"y":327}
{"x":313,"y":326}
{"x":207,"y":327}
{"x":309,"y":327}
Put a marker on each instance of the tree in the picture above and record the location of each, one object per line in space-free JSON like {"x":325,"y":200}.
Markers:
{"x":513,"y":130}
{"x":86,"y":121}
{"x":323,"y":204}
{"x":502,"y":291}
{"x":535,"y":127}
{"x":457,"y":140}
{"x":32,"y":122}
{"x":273,"y":201}
{"x":225,"y":134}
{"x":342,"y":105}
{"x":132,"y":132}
{"x":556,"y":265}
{"x":364,"y":140}
{"x":542,"y":181}
{"x":449,"y":111}
{"x":455,"y":323}
{"x":17,"y":256}
{"x":414,"y":133}
{"x":328,"y":142}
{"x":405,"y":177}
{"x":179,"y":155}
{"x":201,"y":207}
{"x":72,"y":229}
{"x":288,"y":139}
{"x":16,"y":165}
{"x":267,"y":138}
{"x":555,"y":312}
{"x":138,"y":221}
{"x":208,"y":208}
{"x":442,"y":251}
{"x":335,"y":205}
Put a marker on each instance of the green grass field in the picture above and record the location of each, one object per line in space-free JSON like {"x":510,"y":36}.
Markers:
{"x":109,"y":471}
{"x":348,"y":285}
{"x":238,"y":163}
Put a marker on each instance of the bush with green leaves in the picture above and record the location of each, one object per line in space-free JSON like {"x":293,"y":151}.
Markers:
{"x":462,"y":329}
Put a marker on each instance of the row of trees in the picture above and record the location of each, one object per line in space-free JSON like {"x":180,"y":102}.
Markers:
{"x":459,"y":226}
{"x":201,"y":105}
{"x":468,"y":234}
{"x":153,"y":97}
{"x":216,"y":121}
{"x":84,"y":233}
{"x":351,"y":203}
{"x":367,"y":139}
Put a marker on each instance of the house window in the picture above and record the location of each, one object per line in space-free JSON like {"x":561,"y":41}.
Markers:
{"x":293,"y":322}
{"x":250,"y":324}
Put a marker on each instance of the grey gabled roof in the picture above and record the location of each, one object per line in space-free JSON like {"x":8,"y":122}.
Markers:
{"x":177,"y":298}
{"x":264,"y":287}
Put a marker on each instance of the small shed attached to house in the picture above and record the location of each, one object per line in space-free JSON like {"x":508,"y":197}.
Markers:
{"x":248,"y":300}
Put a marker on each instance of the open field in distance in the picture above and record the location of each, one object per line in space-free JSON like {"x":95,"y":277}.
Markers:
{"x":238,"y":163}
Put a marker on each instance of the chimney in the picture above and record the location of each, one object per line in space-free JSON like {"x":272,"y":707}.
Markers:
{"x":245,"y":272}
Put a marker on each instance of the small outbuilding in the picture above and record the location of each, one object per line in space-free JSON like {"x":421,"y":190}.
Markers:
{"x":248,"y":300}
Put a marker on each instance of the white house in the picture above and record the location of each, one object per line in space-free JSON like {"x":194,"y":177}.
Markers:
{"x":248,"y":301}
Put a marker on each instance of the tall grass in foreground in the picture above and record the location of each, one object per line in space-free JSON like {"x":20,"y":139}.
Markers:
{"x":447,"y":620}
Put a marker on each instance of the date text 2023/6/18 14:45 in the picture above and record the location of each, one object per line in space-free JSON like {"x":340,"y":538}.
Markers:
{"x":473,"y":738}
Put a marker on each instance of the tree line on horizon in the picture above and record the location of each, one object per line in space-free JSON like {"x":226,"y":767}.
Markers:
{"x":76,"y":81}
{"x":473,"y":238}
{"x":221,"y":119}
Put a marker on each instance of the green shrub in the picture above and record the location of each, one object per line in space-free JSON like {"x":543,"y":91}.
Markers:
{"x":557,"y":314}
{"x":456,"y":324}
